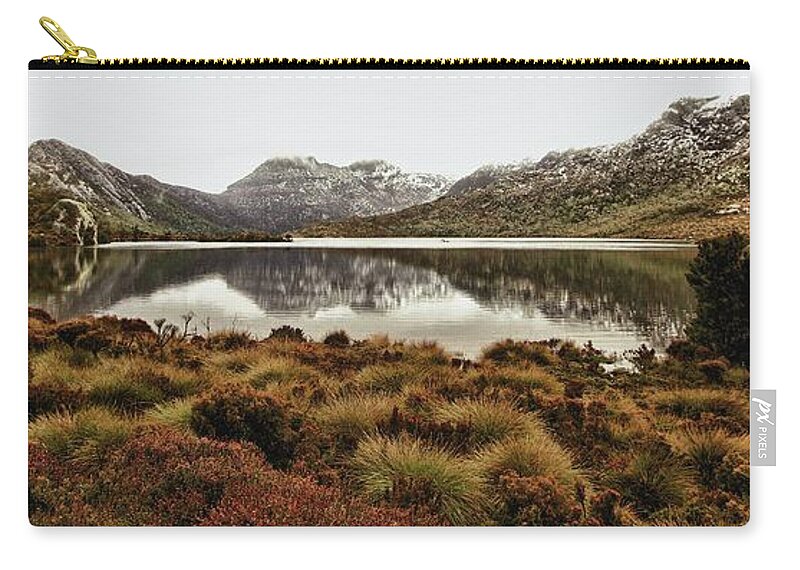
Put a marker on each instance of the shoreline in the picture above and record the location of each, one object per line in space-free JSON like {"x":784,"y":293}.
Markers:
{"x":549,"y":243}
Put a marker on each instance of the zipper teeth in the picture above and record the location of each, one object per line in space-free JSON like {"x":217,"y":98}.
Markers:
{"x":459,"y":62}
{"x":464,"y":63}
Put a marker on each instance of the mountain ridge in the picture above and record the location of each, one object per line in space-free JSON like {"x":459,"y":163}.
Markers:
{"x":286,"y":193}
{"x":75,"y":198}
{"x":684,"y":176}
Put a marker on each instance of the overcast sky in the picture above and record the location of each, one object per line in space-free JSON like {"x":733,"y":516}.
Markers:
{"x":207,"y":129}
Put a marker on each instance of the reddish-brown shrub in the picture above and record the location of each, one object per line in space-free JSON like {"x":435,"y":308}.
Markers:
{"x":537,"y":501}
{"x":162,"y":477}
{"x":108,"y":333}
{"x":239,"y":412}
{"x":714,"y":369}
{"x":283,"y":499}
{"x":580,"y":424}
{"x":52,"y":396}
{"x":36,"y":314}
{"x":452,"y":435}
{"x":717,"y":508}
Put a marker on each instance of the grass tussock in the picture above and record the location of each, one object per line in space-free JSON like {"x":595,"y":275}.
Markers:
{"x":515,"y":352}
{"x":175,"y":414}
{"x":487,"y":421}
{"x":533,"y":455}
{"x":279,"y":370}
{"x":707,"y":450}
{"x":518,"y":379}
{"x":406,"y":473}
{"x":389,"y":378}
{"x":652,"y":480}
{"x":86,"y":434}
{"x":132,"y":385}
{"x":351,"y":418}
{"x":693,"y":403}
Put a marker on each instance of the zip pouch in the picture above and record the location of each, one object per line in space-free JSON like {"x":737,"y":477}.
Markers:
{"x":387,"y":292}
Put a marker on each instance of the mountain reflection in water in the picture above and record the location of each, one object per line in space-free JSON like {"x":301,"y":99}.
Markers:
{"x":463,"y":298}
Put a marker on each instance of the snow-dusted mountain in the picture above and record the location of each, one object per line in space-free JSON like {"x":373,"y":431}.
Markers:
{"x":685,"y":176}
{"x":288,"y":193}
{"x":75,"y":198}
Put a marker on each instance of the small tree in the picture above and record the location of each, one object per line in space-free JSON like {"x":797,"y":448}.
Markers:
{"x":720,"y":277}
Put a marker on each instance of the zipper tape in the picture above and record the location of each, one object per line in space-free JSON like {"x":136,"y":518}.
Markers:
{"x":381,"y":63}
{"x":79,"y":57}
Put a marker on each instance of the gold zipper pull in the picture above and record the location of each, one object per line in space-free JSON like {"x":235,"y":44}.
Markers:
{"x":72,"y":53}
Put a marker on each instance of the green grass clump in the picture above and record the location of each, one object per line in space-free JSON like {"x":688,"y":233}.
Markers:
{"x":532,"y":455}
{"x":487,"y":421}
{"x":388,"y":378}
{"x":235,"y":362}
{"x":175,"y":414}
{"x":86,"y":434}
{"x":518,"y":379}
{"x":133,"y":385}
{"x":652,"y":480}
{"x":407,"y":473}
{"x":278,"y":370}
{"x":692,"y":402}
{"x":425,"y":352}
{"x":515,"y":352}
{"x":62,"y":365}
{"x":706,"y":450}
{"x":350,"y":418}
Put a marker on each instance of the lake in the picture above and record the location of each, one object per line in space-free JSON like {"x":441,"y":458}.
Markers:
{"x":463,"y":293}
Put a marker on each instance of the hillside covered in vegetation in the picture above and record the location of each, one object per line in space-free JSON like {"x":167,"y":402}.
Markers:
{"x":686,"y":176}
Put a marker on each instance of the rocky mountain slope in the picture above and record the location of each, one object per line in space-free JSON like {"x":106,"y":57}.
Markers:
{"x":685,"y":176}
{"x":287,"y":193}
{"x":75,"y":198}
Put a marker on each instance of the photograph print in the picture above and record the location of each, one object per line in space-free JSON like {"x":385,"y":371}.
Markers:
{"x":388,"y":297}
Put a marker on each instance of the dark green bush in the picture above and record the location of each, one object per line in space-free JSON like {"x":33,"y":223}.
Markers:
{"x":288,"y":334}
{"x":643,"y":358}
{"x":720,"y":277}
{"x":337,"y":338}
{"x":714,"y":369}
{"x":652,"y":480}
{"x":240,"y":413}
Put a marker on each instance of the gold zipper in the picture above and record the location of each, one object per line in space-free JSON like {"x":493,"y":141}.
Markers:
{"x":72,"y":53}
{"x":79,"y":55}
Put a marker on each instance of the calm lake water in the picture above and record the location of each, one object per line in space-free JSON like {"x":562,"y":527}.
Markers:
{"x":463,"y":293}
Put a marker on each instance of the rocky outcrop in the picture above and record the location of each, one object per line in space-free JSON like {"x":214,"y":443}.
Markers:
{"x":281,"y":194}
{"x":73,"y":222}
{"x":115,"y":199}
